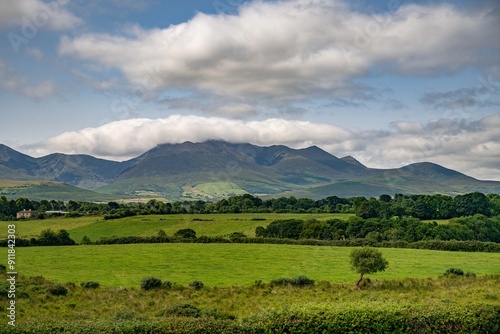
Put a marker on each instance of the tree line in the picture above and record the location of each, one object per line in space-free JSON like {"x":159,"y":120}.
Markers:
{"x":472,"y":228}
{"x":425,"y":207}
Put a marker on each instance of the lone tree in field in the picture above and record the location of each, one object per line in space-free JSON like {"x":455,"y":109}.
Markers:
{"x":367,"y":261}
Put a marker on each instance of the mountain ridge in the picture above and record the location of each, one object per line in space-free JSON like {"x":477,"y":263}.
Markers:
{"x":216,"y":169}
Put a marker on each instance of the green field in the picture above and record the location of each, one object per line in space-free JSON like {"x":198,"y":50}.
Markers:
{"x":232,"y":264}
{"x":237,"y":282}
{"x":203,"y":224}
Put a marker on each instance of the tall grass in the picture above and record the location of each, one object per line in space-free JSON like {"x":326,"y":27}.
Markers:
{"x":264,"y":300}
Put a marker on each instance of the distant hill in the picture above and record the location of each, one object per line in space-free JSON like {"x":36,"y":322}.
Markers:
{"x":216,"y":169}
{"x":38,"y":190}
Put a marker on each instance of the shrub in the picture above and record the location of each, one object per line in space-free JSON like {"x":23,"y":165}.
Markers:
{"x":186,"y":233}
{"x":57,"y":290}
{"x":197,"y":285}
{"x":89,"y":285}
{"x":149,"y":283}
{"x":86,"y":240}
{"x":453,"y":272}
{"x":236,"y":235}
{"x":296,"y":281}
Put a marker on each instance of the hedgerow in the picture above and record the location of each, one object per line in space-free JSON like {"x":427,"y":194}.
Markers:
{"x":366,"y":318}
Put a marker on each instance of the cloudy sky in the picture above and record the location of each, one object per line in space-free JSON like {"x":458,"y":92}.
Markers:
{"x":388,"y":82}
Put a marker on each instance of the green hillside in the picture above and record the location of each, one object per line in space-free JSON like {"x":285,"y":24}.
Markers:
{"x":38,"y":190}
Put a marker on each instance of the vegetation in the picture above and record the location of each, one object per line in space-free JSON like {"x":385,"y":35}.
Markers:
{"x":431,"y":305}
{"x":210,"y":272}
{"x":229,"y":264}
{"x":417,"y":206}
{"x":477,"y":227}
{"x":367,"y":261}
{"x":149,"y":283}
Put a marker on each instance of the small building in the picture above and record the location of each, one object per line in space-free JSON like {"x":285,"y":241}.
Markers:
{"x":27,"y":213}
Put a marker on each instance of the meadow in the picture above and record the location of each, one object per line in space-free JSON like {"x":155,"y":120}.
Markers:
{"x":411,"y":296}
{"x":96,"y":227}
{"x":232,"y":264}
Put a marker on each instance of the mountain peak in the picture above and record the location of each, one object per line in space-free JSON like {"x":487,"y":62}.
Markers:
{"x":352,"y":161}
{"x":216,"y":169}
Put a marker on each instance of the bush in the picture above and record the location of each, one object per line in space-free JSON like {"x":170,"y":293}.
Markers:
{"x":296,"y":281}
{"x":57,"y":290}
{"x":86,"y":240}
{"x":89,"y":285}
{"x":236,"y":235}
{"x":197,"y":285}
{"x":453,"y":272}
{"x":149,"y":283}
{"x":186,"y":233}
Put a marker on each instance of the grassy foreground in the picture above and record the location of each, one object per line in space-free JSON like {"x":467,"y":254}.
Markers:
{"x":232,"y":264}
{"x":438,"y":305}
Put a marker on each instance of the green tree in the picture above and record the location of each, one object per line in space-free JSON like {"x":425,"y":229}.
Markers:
{"x":367,"y":261}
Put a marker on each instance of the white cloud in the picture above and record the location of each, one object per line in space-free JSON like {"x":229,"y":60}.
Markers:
{"x":294,"y":50}
{"x":37,"y":14}
{"x":472,"y":147}
{"x":128,"y":138}
{"x":469,"y":147}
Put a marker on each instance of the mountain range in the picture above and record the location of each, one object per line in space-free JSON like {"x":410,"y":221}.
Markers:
{"x":216,"y":169}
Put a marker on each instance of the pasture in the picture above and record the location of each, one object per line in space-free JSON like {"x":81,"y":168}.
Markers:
{"x":232,"y":264}
{"x":204,"y":224}
{"x":237,"y":295}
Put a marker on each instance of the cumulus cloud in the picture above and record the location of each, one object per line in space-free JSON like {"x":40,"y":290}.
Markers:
{"x":295,"y":50}
{"x":128,"y":138}
{"x":37,"y":14}
{"x":472,"y":147}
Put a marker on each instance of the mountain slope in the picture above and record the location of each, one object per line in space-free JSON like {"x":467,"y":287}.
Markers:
{"x":16,"y":165}
{"x":83,"y":171}
{"x":216,"y":169}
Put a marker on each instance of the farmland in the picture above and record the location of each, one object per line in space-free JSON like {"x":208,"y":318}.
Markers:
{"x":204,"y":224}
{"x":238,"y":295}
{"x":232,"y":264}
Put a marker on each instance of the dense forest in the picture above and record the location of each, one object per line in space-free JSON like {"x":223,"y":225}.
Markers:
{"x":425,"y":207}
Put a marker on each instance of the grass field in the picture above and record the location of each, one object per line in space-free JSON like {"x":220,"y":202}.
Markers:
{"x":232,"y":264}
{"x":208,"y":224}
{"x":236,"y":278}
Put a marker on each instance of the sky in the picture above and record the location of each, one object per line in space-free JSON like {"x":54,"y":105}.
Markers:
{"x":388,"y":82}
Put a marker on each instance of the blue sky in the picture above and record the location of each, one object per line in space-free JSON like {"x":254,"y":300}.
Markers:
{"x":388,"y":82}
